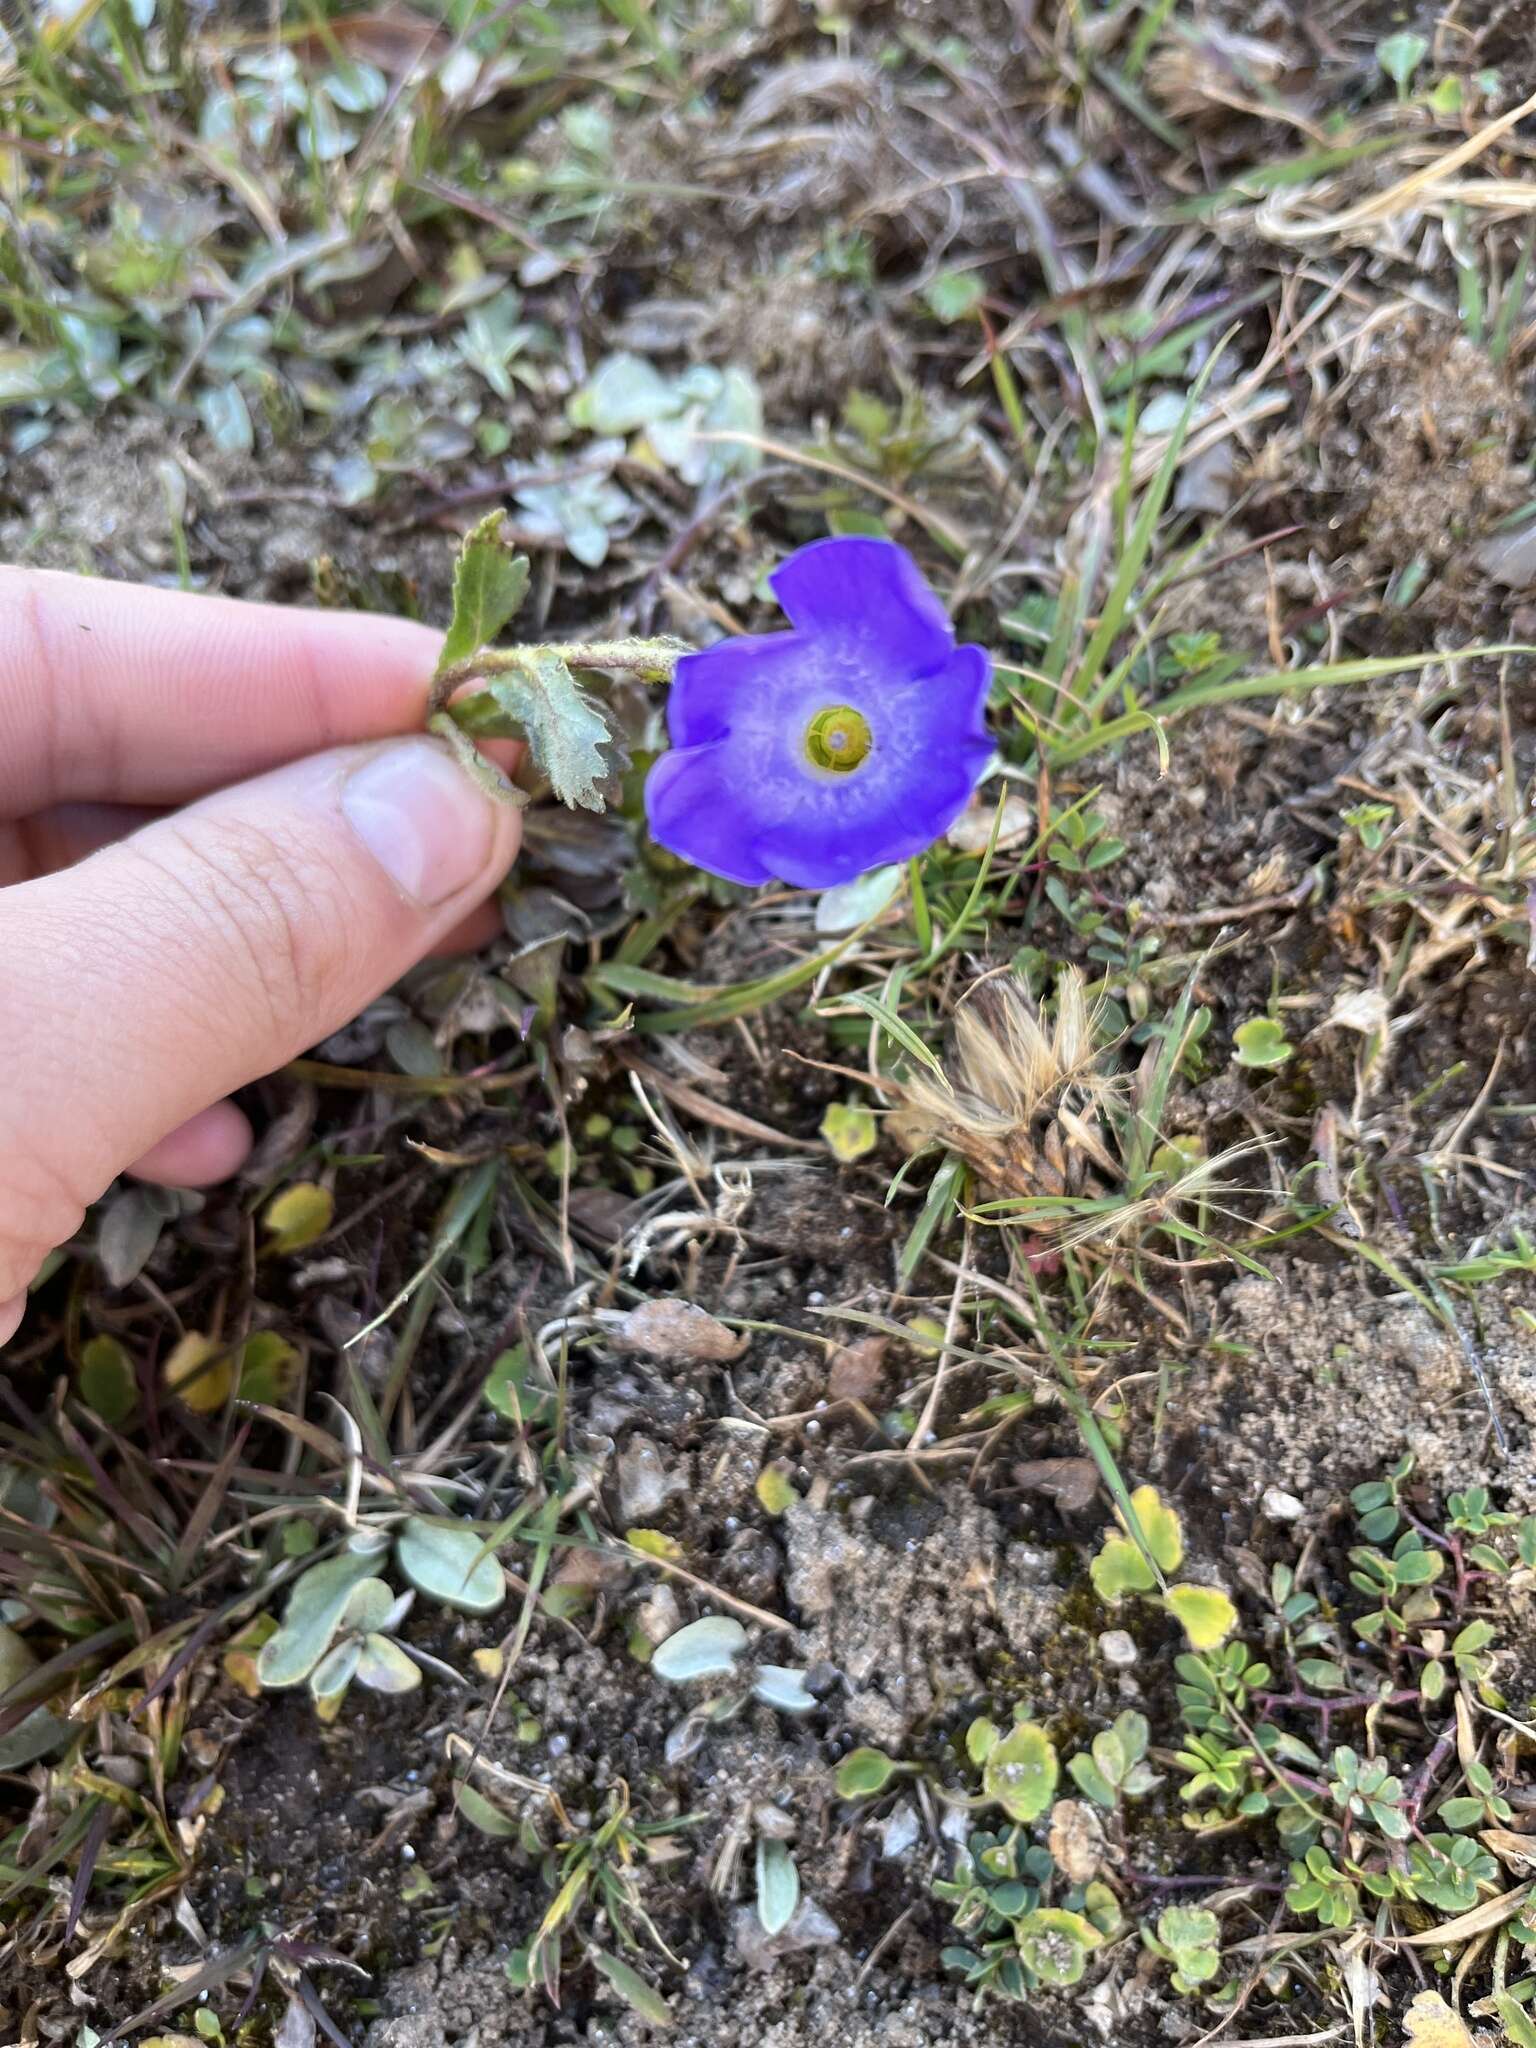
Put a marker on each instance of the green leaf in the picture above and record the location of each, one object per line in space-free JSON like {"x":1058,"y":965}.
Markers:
{"x":954,"y":294}
{"x":1089,"y":1779}
{"x":565,"y":731}
{"x":639,"y":1996}
{"x":980,"y":1740}
{"x":778,"y":1885}
{"x":1400,"y":57}
{"x":108,"y":1384}
{"x":848,"y":904}
{"x":515,"y":1388}
{"x":1205,"y":1613}
{"x":1517,"y":2023}
{"x":1261,"y":1043}
{"x":40,"y":1730}
{"x":334,"y":1673}
{"x":1419,"y":1567}
{"x":776,"y":1685}
{"x":624,"y":392}
{"x":312,"y":1617}
{"x":384,"y":1667}
{"x":489,"y":583}
{"x":775,"y":1492}
{"x":864,"y":1772}
{"x":1021,"y":1772}
{"x":1055,"y":1944}
{"x":448,"y":1562}
{"x":480,"y":1813}
{"x":369,"y":1605}
{"x":707,"y":1648}
{"x":265,"y":1367}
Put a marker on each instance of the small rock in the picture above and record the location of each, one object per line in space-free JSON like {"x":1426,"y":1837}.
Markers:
{"x":1205,"y":482}
{"x":857,"y":1372}
{"x":645,"y":1485}
{"x":972,"y":830}
{"x":900,"y":1830}
{"x":955,"y":1825}
{"x":660,"y":1617}
{"x":1509,"y":558}
{"x":811,"y":1927}
{"x":1118,"y":1649}
{"x":1281,"y":1507}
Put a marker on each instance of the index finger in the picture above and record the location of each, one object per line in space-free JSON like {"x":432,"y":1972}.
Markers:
{"x":120,"y":694}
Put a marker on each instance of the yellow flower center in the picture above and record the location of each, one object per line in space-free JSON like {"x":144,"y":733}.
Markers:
{"x":838,"y":738}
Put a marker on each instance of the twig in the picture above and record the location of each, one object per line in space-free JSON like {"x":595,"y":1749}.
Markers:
{"x":882,"y":1945}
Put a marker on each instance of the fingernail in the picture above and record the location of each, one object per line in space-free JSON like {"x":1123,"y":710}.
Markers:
{"x":421,"y":818}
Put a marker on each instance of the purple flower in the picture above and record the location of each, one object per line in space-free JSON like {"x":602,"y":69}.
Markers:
{"x":813,"y":755}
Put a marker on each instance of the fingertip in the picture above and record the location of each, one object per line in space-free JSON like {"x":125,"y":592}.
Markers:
{"x":11,"y":1313}
{"x":479,"y":928}
{"x":207,"y":1148}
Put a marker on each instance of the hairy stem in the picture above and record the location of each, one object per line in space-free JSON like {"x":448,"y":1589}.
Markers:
{"x":657,"y":658}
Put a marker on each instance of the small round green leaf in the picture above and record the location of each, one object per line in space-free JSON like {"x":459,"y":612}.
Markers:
{"x":384,"y":1667}
{"x":707,"y":1648}
{"x":863,"y":1772}
{"x":448,"y":1562}
{"x":1021,"y":1772}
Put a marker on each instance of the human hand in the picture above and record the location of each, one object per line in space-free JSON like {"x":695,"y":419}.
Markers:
{"x":169,"y":931}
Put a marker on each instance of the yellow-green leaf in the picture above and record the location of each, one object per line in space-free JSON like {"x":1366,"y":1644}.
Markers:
{"x":267,"y":1364}
{"x":774,"y":1491}
{"x":239,"y":1659}
{"x":188,"y":1373}
{"x":1430,"y":2023}
{"x":1205,"y":1613}
{"x":1119,"y":1569}
{"x":850,"y":1131}
{"x":655,"y":1543}
{"x":297,"y":1216}
{"x":1161,"y":1527}
{"x":1021,"y":1772}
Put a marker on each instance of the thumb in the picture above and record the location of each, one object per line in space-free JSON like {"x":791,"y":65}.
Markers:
{"x":144,"y":984}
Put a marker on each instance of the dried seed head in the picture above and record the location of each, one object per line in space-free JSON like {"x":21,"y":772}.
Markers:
{"x":1026,"y":1095}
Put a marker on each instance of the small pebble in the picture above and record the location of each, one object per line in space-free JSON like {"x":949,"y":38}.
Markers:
{"x":1281,"y":1507}
{"x":1117,"y":1649}
{"x":900,"y":1831}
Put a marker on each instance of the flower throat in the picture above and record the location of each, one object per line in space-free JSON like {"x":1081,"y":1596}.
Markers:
{"x":838,"y":739}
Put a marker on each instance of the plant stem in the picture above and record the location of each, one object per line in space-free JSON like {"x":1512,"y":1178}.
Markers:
{"x":633,"y":657}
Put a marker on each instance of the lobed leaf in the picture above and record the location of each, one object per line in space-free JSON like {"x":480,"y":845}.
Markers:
{"x":566,"y":733}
